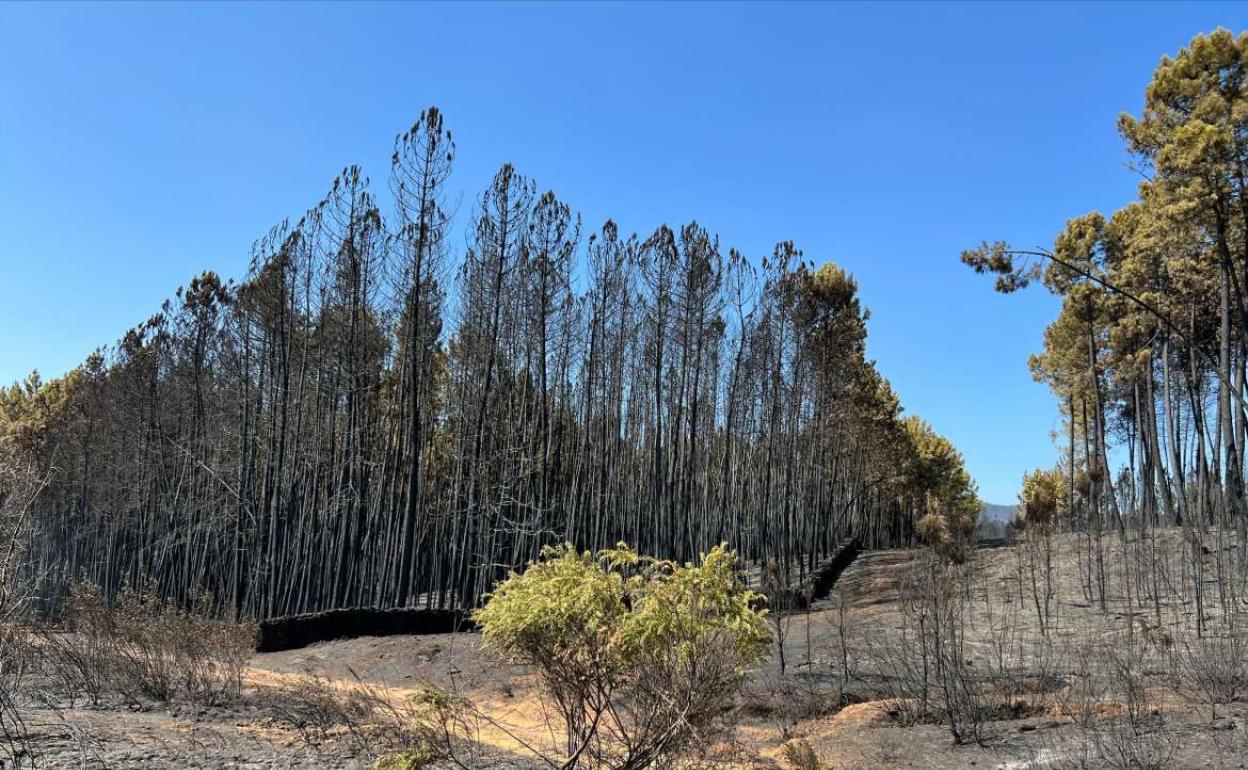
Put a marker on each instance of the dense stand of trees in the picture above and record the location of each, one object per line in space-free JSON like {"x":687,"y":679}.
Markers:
{"x":1149,"y":353}
{"x":377,"y":418}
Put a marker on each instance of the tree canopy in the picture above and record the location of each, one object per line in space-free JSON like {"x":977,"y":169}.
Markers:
{"x":374,"y":416}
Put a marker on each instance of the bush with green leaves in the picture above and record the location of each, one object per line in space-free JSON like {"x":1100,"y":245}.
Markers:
{"x":637,"y":655}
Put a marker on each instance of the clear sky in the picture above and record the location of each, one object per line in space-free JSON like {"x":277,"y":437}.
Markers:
{"x":141,"y":144}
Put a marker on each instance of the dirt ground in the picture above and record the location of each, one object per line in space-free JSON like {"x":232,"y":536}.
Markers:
{"x":849,"y":721}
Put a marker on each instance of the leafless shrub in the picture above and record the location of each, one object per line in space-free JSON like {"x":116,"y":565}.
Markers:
{"x":1112,"y":707}
{"x":1214,"y":669}
{"x":1127,"y":744}
{"x":931,"y":675}
{"x":364,"y":718}
{"x":1085,"y":695}
{"x":902,"y":672}
{"x":817,"y":687}
{"x":81,"y":656}
{"x":323,"y":711}
{"x":138,"y":647}
{"x":783,"y":598}
{"x":966,"y":700}
{"x":18,"y":488}
{"x":407,"y":759}
{"x":799,"y":754}
{"x":170,"y":653}
{"x":1059,"y":750}
{"x":15,"y":674}
{"x":1122,"y":658}
{"x":794,"y":698}
{"x":845,"y":631}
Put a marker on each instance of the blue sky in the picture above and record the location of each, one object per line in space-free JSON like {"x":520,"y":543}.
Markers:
{"x":141,"y":144}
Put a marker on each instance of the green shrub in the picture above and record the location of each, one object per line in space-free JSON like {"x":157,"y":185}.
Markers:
{"x":635,"y":653}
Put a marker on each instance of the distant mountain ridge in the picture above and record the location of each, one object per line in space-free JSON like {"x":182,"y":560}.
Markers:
{"x":992,"y":512}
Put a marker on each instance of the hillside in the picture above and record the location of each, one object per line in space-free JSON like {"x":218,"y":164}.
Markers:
{"x":846,"y":691}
